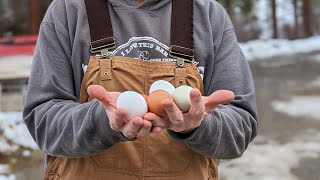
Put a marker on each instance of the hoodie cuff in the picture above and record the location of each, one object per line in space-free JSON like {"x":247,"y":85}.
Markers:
{"x":202,"y":136}
{"x":101,"y":127}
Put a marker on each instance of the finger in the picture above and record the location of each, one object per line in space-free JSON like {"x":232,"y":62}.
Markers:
{"x":118,"y":122}
{"x":197,"y":106}
{"x":115,"y":95}
{"x":156,"y":120}
{"x":145,"y":129}
{"x":173,"y":112}
{"x":155,"y":131}
{"x":98,"y":92}
{"x":204,"y":98}
{"x":131,"y":129}
{"x":218,"y":97}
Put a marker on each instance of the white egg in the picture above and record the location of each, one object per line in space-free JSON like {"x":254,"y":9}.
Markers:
{"x":181,"y":96}
{"x":163,"y":85}
{"x":133,"y":103}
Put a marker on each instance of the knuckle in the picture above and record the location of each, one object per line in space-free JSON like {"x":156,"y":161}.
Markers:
{"x":199,"y":112}
{"x":169,"y":108}
{"x":141,"y":134}
{"x":129,"y":134}
{"x":177,"y":122}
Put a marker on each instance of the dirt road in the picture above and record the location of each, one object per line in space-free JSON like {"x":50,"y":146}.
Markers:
{"x":288,"y":100}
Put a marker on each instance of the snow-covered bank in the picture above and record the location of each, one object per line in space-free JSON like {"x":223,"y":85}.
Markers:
{"x":5,"y":169}
{"x":14,"y":133}
{"x":305,"y":106}
{"x":10,"y":177}
{"x":268,"y":160}
{"x":14,"y":137}
{"x":262,"y":49}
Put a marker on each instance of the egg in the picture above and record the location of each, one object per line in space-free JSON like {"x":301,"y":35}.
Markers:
{"x":181,"y":97}
{"x":144,"y":96}
{"x":154,"y":102}
{"x":133,"y":103}
{"x":163,"y":85}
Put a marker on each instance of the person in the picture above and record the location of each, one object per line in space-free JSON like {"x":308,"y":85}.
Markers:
{"x":89,"y":51}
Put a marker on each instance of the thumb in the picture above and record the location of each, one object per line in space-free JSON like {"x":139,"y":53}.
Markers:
{"x":218,"y":97}
{"x":98,"y":92}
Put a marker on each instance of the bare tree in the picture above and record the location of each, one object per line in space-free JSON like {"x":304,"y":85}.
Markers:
{"x":307,"y":18}
{"x":295,"y":8}
{"x":274,"y":19}
{"x":34,"y":16}
{"x":230,"y":8}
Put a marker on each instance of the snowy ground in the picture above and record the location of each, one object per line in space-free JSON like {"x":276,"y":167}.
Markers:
{"x":288,"y":99}
{"x":263,"y":49}
{"x":269,"y":160}
{"x":300,"y":106}
{"x":14,"y":138}
{"x":15,"y":133}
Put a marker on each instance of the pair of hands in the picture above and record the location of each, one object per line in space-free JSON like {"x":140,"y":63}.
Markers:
{"x":150,"y":123}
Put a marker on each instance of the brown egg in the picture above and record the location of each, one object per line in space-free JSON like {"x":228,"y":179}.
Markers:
{"x":145,"y":96}
{"x":154,"y":102}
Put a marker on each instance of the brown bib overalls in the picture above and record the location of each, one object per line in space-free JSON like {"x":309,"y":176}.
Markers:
{"x":154,"y":158}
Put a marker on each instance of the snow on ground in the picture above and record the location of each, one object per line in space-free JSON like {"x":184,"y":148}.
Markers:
{"x":5,"y":169}
{"x":10,"y":177}
{"x":266,"y":47}
{"x":262,"y":11}
{"x":262,"y":49}
{"x":308,"y":106}
{"x":263,"y":18}
{"x":315,"y":83}
{"x":271,"y":160}
{"x":6,"y":147}
{"x":14,"y":132}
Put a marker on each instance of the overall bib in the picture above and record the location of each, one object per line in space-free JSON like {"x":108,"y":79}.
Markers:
{"x":154,"y":158}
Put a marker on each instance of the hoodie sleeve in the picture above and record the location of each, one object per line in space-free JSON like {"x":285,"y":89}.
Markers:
{"x":226,"y":132}
{"x":59,"y":124}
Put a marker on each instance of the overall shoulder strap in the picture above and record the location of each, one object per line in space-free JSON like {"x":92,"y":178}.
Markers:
{"x":181,"y":27}
{"x":100,"y":25}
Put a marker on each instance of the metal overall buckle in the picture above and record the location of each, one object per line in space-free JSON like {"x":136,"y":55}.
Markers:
{"x":181,"y":56}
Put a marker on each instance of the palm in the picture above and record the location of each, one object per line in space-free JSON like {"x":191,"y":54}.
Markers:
{"x":118,"y":117}
{"x":107,"y":99}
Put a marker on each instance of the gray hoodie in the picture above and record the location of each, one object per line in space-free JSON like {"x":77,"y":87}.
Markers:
{"x":61,"y":126}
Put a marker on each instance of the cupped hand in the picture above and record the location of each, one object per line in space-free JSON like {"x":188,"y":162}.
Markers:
{"x":118,"y":120}
{"x":200,"y":107}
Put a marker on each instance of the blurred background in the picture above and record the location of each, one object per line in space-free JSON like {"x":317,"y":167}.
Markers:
{"x":280,"y":39}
